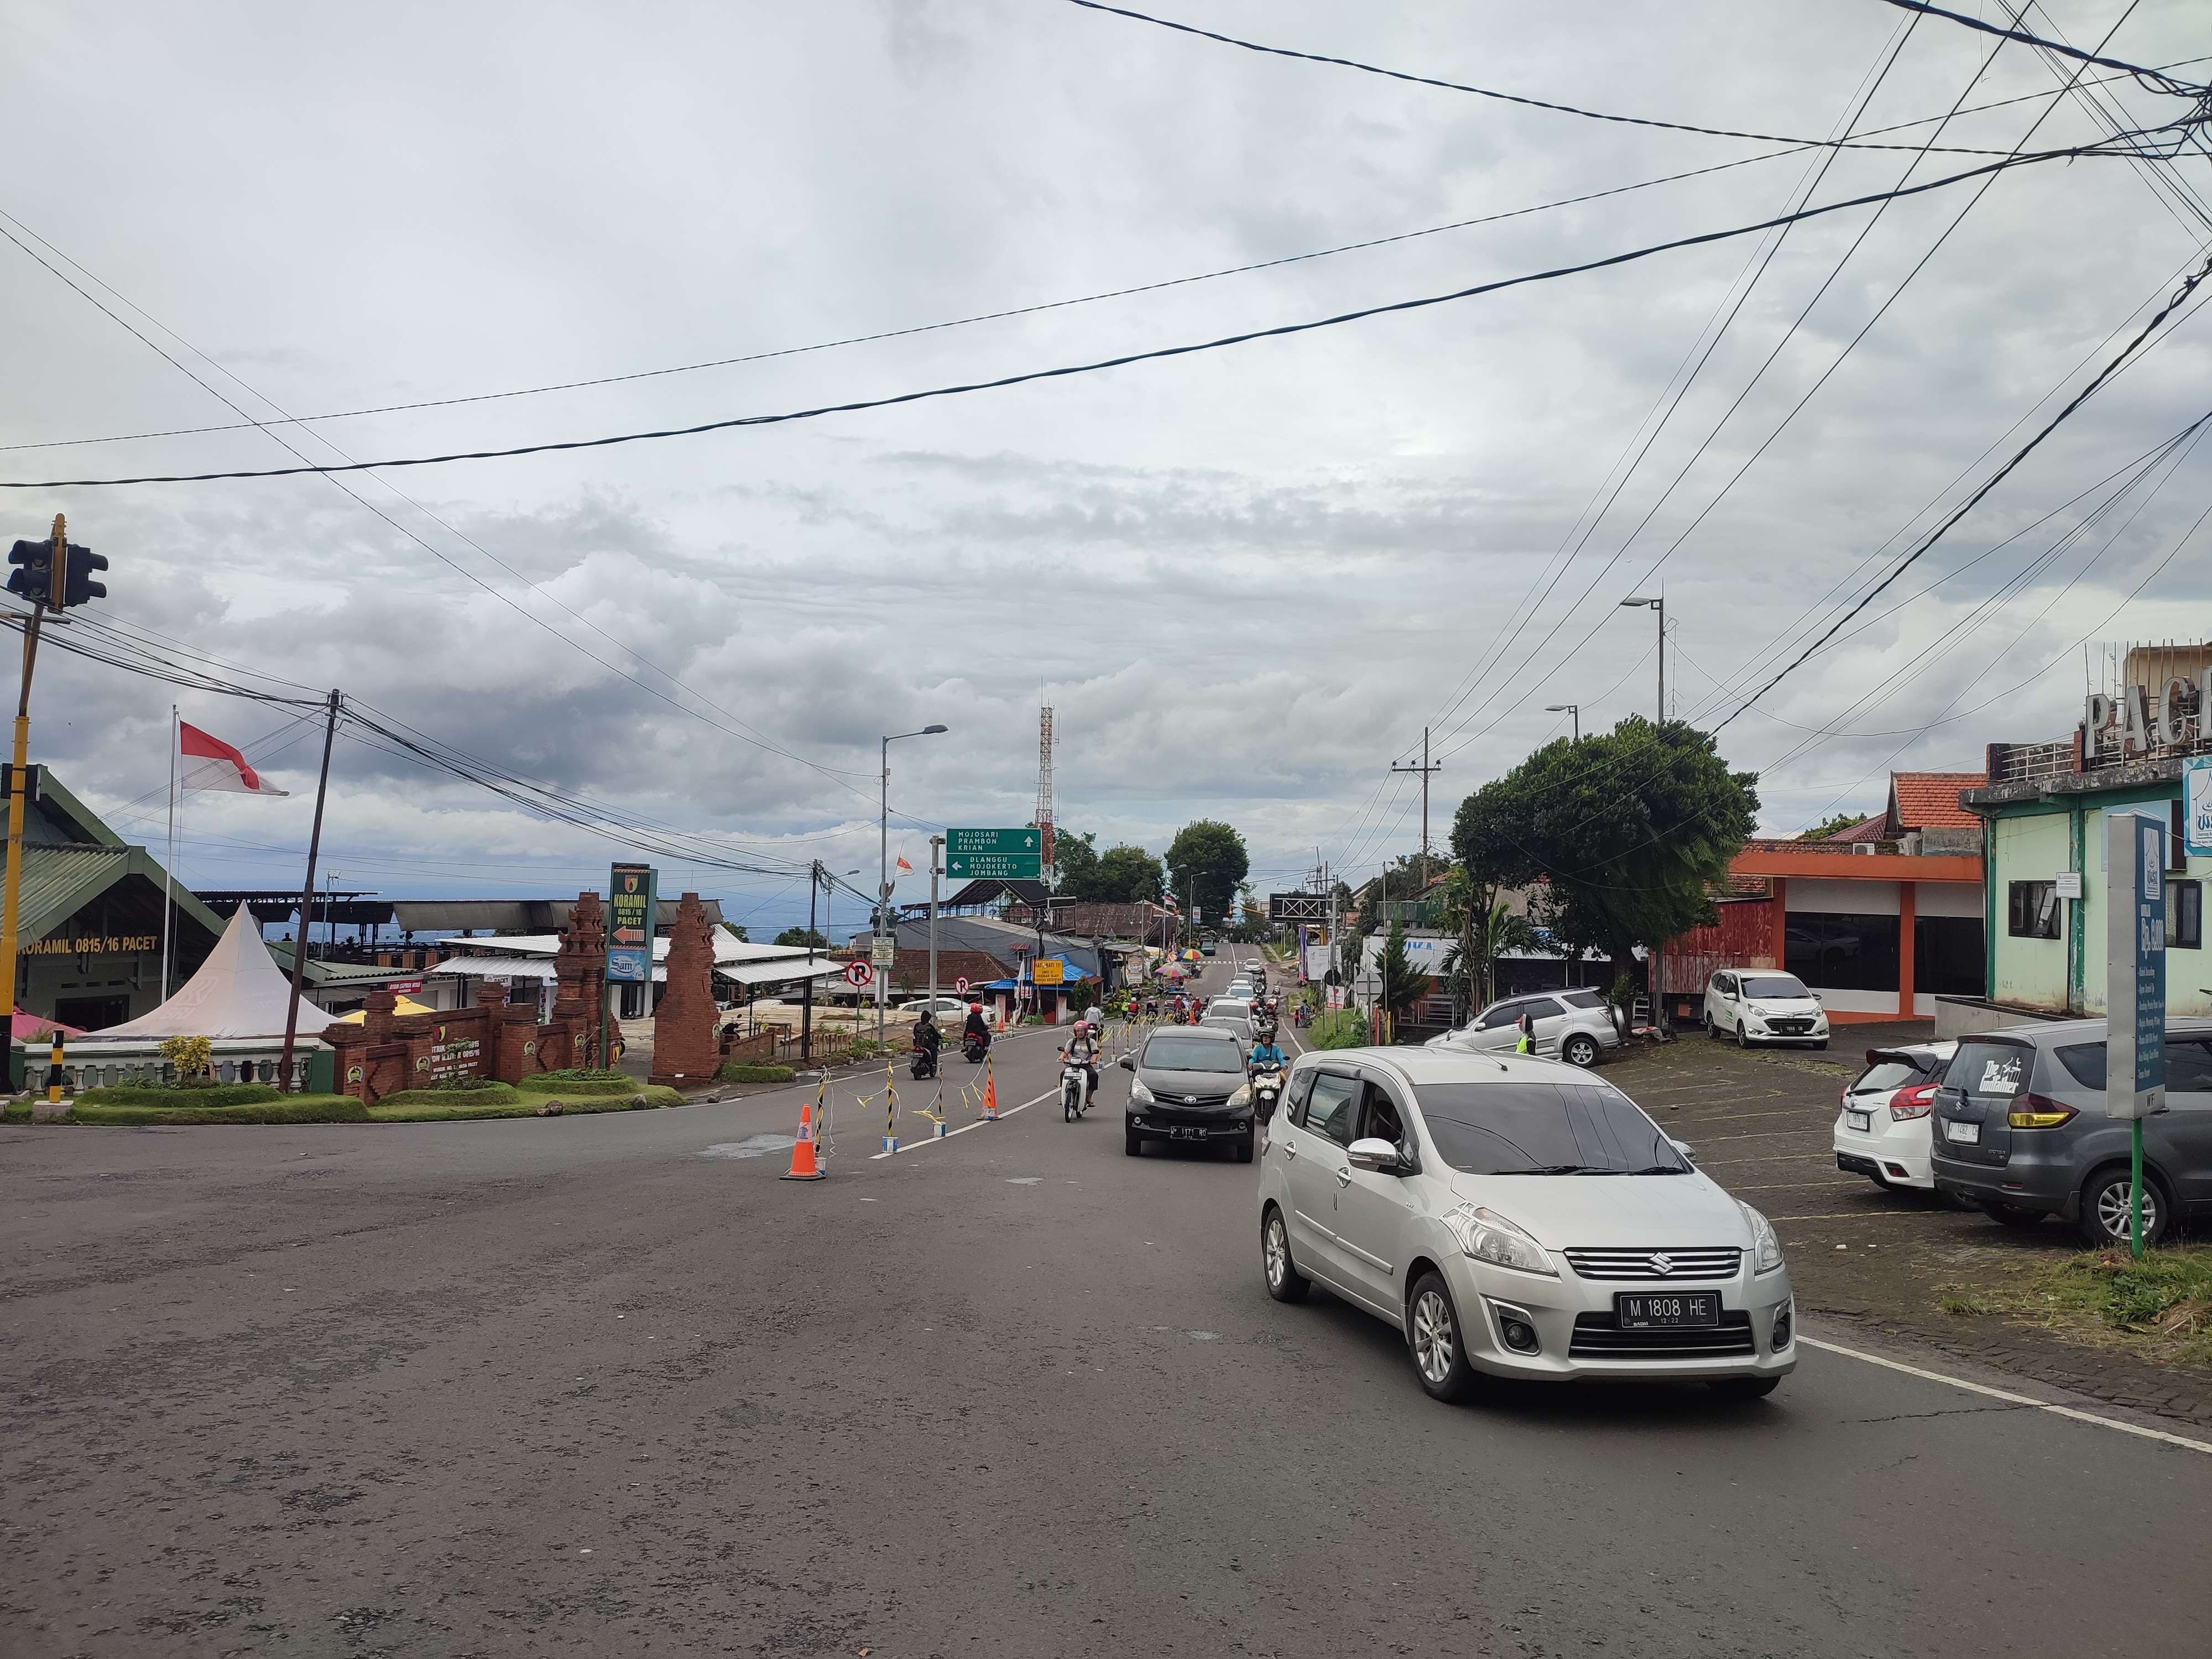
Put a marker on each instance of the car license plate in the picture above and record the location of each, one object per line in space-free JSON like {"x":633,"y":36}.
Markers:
{"x":1184,"y":1132}
{"x":1644,"y":1313}
{"x":1860,"y":1121}
{"x":1966,"y":1134}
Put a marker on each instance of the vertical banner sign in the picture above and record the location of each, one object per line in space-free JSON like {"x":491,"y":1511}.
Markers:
{"x":631,"y":911}
{"x":2196,"y":805}
{"x":2135,"y":965}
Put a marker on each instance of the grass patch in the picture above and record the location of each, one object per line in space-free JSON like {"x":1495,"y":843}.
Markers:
{"x":278,"y":1109}
{"x":2165,"y":1297}
{"x":1955,"y":1299}
{"x":1343,"y":1028}
{"x":735,"y":1073}
{"x":583,"y":1075}
{"x":154,"y":1094}
{"x":498,"y":1094}
{"x":441,"y":1106}
{"x":571,"y":1087}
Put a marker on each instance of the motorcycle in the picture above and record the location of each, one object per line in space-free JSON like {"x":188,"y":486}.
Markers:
{"x":1074,"y":1089}
{"x":922,"y":1062}
{"x":974,"y":1048}
{"x":1266,"y":1091}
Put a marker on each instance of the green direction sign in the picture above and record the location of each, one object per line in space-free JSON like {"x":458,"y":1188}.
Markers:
{"x":994,"y":854}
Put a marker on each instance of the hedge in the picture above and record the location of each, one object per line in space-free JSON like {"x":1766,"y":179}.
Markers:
{"x":732,"y":1071}
{"x":156,"y":1094}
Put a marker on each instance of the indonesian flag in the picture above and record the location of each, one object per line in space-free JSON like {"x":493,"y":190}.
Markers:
{"x":211,"y":763}
{"x":905,"y":868}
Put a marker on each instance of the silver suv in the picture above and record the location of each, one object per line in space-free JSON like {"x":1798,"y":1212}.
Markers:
{"x":2020,"y":1130}
{"x":1576,"y":1026}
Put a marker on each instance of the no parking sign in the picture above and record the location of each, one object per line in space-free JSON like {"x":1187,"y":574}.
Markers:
{"x":857,"y":974}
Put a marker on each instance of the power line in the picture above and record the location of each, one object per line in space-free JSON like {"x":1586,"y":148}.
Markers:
{"x":1157,"y":354}
{"x":2150,"y":78}
{"x":1515,"y":98}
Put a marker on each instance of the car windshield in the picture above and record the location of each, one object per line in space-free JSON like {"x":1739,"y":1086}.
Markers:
{"x":1186,"y":1053}
{"x":1544,"y":1129}
{"x":1774,"y":985}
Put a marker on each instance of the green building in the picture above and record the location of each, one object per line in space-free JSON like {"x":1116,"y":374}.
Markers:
{"x":90,"y":917}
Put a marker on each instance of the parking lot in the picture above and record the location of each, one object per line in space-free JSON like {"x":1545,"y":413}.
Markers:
{"x":1761,"y":1123}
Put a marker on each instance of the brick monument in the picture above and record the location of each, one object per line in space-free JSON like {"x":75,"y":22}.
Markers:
{"x":684,"y":1047}
{"x":580,"y":973}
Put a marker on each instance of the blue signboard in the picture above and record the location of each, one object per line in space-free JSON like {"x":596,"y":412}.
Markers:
{"x":2196,"y":805}
{"x":2135,"y":964}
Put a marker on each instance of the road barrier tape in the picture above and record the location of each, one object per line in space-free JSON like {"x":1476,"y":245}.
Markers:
{"x":890,"y":1111}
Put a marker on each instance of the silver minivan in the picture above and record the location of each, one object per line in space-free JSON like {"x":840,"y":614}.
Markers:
{"x":1573,"y":1025}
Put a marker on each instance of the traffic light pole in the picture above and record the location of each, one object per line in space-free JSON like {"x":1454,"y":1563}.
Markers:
{"x":9,"y":910}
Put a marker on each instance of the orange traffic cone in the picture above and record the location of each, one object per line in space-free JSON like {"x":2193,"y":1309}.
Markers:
{"x":990,"y":1093}
{"x":804,"y":1164}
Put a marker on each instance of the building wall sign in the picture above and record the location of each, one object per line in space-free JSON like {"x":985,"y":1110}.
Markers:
{"x":630,"y":916}
{"x":2134,"y":722}
{"x":93,"y":945}
{"x":2196,"y":806}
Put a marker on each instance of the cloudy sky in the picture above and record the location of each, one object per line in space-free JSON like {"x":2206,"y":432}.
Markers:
{"x":1246,"y":578}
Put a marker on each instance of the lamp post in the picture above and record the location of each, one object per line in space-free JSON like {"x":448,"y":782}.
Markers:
{"x":1574,"y":708}
{"x":884,"y":862}
{"x":1658,"y":609}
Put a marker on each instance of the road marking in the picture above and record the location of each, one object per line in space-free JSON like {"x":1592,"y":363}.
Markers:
{"x":916,"y":1146}
{"x":1853,"y":1215}
{"x":2014,"y":1399}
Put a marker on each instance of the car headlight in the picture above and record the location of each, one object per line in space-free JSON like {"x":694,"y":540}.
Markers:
{"x":1766,"y":1249}
{"x":1242,"y":1097}
{"x":1139,"y":1095}
{"x":1489,"y":1236}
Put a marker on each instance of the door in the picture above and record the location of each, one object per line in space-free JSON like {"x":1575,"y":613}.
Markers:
{"x":1314,"y":1149}
{"x":1494,"y":1027}
{"x":1720,"y":1013}
{"x":1551,"y":1023}
{"x":2186,"y":1124}
{"x":1373,"y":1210}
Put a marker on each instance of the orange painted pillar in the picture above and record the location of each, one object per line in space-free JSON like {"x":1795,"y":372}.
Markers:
{"x":1908,"y":904}
{"x":1781,"y":887}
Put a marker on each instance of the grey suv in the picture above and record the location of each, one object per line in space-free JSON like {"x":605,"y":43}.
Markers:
{"x":2020,"y":1130}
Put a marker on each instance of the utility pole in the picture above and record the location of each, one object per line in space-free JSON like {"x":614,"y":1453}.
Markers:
{"x":1426,"y":772}
{"x":308,"y":909}
{"x":806,"y":995}
{"x":1659,"y":608}
{"x":936,"y":869}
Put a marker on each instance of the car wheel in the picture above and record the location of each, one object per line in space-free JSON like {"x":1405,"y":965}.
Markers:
{"x":1132,"y":1143}
{"x":1432,"y":1333}
{"x":2011,"y":1215}
{"x":1285,"y":1282}
{"x":1744,"y":1388}
{"x":1580,"y":1049}
{"x":1246,"y":1146}
{"x":1712,"y":1032}
{"x":2105,"y":1209}
{"x":1742,"y":1041}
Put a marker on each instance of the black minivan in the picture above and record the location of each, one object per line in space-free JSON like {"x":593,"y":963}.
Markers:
{"x":2020,"y":1130}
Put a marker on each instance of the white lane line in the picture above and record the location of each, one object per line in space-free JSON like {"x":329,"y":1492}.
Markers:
{"x":915,"y":1146}
{"x":2014,"y":1399}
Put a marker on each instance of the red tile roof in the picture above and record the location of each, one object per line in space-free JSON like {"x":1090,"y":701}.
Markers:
{"x":1871,"y":829}
{"x":1929,"y":800}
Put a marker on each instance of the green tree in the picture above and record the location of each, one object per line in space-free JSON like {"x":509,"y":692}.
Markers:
{"x":737,"y":930}
{"x":1129,"y":875}
{"x":1403,"y":984}
{"x":1828,"y":827}
{"x":1075,"y":864}
{"x":1208,"y":863}
{"x":800,"y":936}
{"x":1627,"y":827}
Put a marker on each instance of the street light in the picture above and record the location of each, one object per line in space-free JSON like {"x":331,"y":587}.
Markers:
{"x":1574,"y":708}
{"x":883,"y":861}
{"x":1659,"y":608}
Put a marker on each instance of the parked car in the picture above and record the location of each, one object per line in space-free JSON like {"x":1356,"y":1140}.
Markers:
{"x":1188,"y":1085}
{"x":1515,"y":1217}
{"x":945,"y":1007}
{"x":1576,"y":1026}
{"x":1761,"y":1004}
{"x":1882,"y":1125}
{"x":2020,"y":1130}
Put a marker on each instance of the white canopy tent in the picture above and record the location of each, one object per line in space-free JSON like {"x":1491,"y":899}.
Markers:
{"x":239,"y":991}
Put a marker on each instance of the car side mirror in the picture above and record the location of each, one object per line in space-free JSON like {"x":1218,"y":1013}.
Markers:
{"x":1375,"y":1153}
{"x":1817,"y":997}
{"x":1129,"y":1062}
{"x":1689,"y":1152}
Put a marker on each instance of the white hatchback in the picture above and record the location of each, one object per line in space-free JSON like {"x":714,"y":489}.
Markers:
{"x":1764,"y":1005}
{"x":1882,"y":1124}
{"x":1516,"y":1217}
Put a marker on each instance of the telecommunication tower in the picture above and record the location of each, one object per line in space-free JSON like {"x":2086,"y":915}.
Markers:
{"x":1045,"y":790}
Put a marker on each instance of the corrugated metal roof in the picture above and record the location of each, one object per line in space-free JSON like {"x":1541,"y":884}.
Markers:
{"x":59,"y":881}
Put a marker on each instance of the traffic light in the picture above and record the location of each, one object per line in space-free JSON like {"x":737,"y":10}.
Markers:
{"x":77,"y":585}
{"x":34,"y":575}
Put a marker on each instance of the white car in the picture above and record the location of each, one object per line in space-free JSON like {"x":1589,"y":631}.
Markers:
{"x":1518,"y":1217}
{"x":1764,"y":1005}
{"x":1573,"y":1025}
{"x":1883,"y":1126}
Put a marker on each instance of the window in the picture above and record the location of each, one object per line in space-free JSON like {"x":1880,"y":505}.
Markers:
{"x":1948,"y":956}
{"x":1543,"y":1007}
{"x":1583,"y":999}
{"x":1301,"y":1086}
{"x":2188,"y":1065}
{"x":2084,"y":1063}
{"x":1987,"y":1069}
{"x":1841,"y":953}
{"x":2031,"y":909}
{"x":1328,"y":1113}
{"x":1502,"y":1013}
{"x":1724,"y":984}
{"x":1775,"y":987}
{"x":1380,"y":1117}
{"x":1544,"y":1129}
{"x":2185,"y":916}
{"x":1886,"y":1074}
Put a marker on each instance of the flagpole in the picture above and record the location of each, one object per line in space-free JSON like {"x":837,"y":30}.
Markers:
{"x":169,"y":870}
{"x":307,"y":906}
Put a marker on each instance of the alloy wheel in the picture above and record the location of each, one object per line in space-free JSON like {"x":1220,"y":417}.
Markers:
{"x":1276,"y":1248}
{"x":1432,"y":1336}
{"x":2113,"y":1210}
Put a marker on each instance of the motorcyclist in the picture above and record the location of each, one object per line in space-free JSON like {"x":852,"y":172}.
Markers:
{"x":926,"y":1037}
{"x":1082,"y":1049}
{"x":977,"y":1030}
{"x":1266,"y":1054}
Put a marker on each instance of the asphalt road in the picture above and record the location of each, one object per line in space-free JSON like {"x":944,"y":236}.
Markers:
{"x":591,"y":1386}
